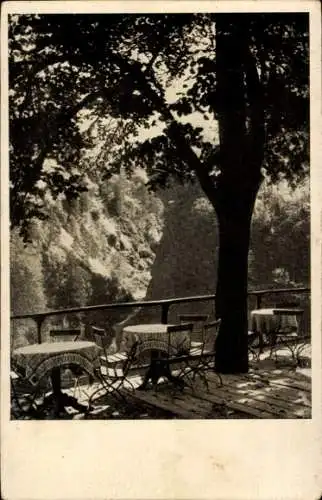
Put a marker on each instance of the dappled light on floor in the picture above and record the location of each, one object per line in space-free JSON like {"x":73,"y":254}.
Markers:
{"x":272,"y":389}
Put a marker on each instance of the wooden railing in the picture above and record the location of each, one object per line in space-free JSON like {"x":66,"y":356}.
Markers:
{"x":165,"y":305}
{"x":259,"y":294}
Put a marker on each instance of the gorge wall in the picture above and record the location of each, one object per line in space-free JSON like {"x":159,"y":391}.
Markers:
{"x":119,"y":242}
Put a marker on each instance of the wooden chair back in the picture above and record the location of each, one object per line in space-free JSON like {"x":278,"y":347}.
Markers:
{"x":198,"y":321}
{"x":211,"y":330}
{"x":64,"y":334}
{"x":130,"y":359}
{"x":172,"y":330}
{"x":180,"y":327}
{"x":100,"y":337}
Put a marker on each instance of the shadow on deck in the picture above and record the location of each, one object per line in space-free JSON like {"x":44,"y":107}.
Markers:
{"x":262,"y":393}
{"x":270,"y":390}
{"x":266,"y":392}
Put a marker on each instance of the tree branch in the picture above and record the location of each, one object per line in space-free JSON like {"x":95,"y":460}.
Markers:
{"x":61,"y":120}
{"x":255,"y":97}
{"x":157,"y":98}
{"x":18,"y":68}
{"x":178,"y":138}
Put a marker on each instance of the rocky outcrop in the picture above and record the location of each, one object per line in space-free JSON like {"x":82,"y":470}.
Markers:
{"x":97,"y":249}
{"x":118,"y":242}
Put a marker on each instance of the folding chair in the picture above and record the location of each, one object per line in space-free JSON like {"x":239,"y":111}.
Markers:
{"x":64,"y":334}
{"x":71,"y":335}
{"x":26,"y":398}
{"x":114,"y":368}
{"x":254,"y":348}
{"x":201,"y":357}
{"x":288,"y":332}
{"x":198,"y":322}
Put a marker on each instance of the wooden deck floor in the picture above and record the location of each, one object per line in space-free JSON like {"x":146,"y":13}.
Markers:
{"x":262,"y":393}
{"x":266,"y":392}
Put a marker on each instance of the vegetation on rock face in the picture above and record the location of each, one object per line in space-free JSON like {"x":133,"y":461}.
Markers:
{"x":279,"y":246}
{"x":246,"y":74}
{"x":50,"y":275}
{"x":76,"y":259}
{"x":280,"y":242}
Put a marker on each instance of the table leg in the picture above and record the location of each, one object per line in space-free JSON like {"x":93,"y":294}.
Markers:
{"x":159,"y":368}
{"x":152,"y":371}
{"x":57,"y":393}
{"x":261,"y":342}
{"x":59,"y":399}
{"x":272,"y":343}
{"x":166,"y":372}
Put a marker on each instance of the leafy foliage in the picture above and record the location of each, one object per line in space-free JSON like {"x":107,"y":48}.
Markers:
{"x":125,"y":66}
{"x":246,"y":75}
{"x":280,"y":246}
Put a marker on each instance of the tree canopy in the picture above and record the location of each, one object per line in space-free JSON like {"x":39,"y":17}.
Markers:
{"x":246,"y":75}
{"x":159,"y":72}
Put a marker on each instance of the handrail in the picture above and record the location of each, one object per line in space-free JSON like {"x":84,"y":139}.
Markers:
{"x":280,"y":290}
{"x":164,"y":303}
{"x":268,"y":291}
{"x":116,"y":305}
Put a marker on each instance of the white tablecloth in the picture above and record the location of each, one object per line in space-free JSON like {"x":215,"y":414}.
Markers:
{"x":267,"y":321}
{"x":36,"y":360}
{"x":155,"y":336}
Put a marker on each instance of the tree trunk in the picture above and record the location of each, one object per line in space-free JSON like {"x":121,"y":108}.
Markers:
{"x":241,"y":148}
{"x":234,"y":218}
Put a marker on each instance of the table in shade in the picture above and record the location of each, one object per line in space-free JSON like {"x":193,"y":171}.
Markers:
{"x":154,"y":340}
{"x":154,"y":336}
{"x":267,"y":322}
{"x":36,"y":361}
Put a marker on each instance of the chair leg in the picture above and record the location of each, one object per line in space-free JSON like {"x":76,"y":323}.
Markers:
{"x":217,"y":374}
{"x":29,"y":408}
{"x":299,"y":349}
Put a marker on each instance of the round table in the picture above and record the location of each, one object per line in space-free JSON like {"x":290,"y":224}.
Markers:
{"x":155,"y":336}
{"x":154,"y":339}
{"x":36,"y":361}
{"x":266,"y":322}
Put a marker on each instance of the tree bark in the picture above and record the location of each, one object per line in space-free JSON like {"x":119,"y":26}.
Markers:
{"x":237,"y":103}
{"x":234,"y":218}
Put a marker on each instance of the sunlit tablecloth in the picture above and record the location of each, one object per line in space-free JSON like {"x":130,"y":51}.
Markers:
{"x":36,"y":360}
{"x":266,"y":321}
{"x":155,"y":336}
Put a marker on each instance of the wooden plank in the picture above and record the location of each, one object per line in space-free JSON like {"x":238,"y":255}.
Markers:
{"x":280,"y":400}
{"x":252,"y":389}
{"x":161,"y":401}
{"x":247,"y":394}
{"x":253,"y":394}
{"x":293,"y":376}
{"x":277,"y":377}
{"x":243,"y":397}
{"x":301,"y":385}
{"x":235,"y":405}
{"x":238,"y":380}
{"x":254,"y":412}
{"x":293,"y":401}
{"x":270,"y":406}
{"x":190,"y":405}
{"x":278,"y":406}
{"x":253,"y":398}
{"x":199,"y":407}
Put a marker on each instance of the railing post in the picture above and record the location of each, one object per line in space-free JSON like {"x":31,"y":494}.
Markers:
{"x":164,"y":313}
{"x":39,"y":320}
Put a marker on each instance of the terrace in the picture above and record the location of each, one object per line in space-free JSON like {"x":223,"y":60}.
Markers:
{"x":278,"y":384}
